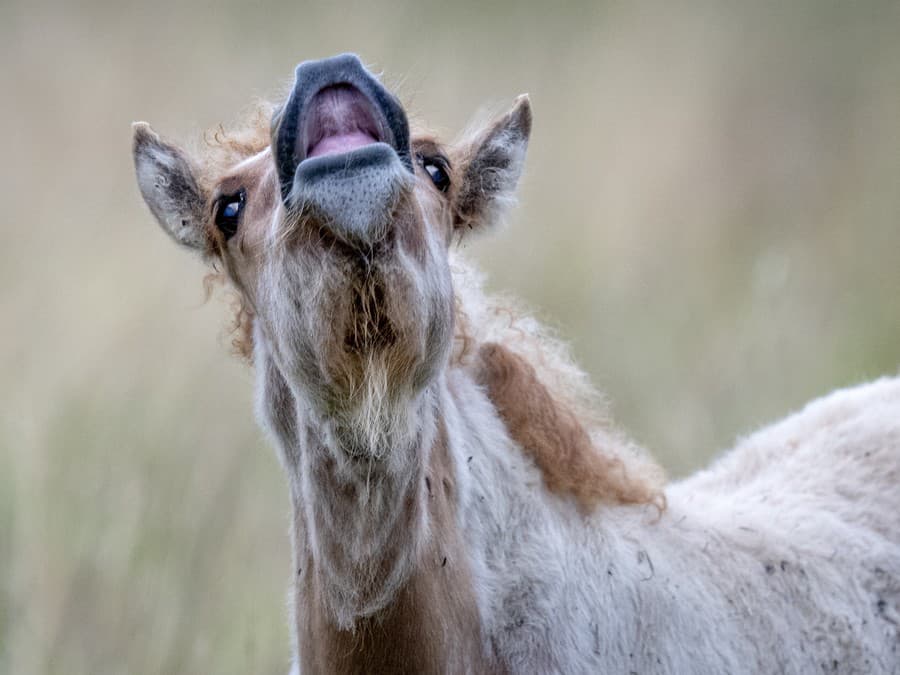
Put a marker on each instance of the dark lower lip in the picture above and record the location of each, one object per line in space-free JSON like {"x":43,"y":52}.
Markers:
{"x":312,"y":169}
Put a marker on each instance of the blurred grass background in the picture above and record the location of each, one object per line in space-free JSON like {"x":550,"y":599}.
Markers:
{"x":711,"y":213}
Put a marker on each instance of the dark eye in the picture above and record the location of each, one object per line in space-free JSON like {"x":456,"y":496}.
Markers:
{"x":228,"y":212}
{"x":438,"y":171}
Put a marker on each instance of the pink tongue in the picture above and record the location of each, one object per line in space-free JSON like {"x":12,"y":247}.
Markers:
{"x":341,"y":142}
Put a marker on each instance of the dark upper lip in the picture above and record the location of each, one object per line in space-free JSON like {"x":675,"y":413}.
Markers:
{"x":314,"y":77}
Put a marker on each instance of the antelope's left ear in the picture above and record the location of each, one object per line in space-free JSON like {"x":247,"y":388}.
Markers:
{"x":489,"y":169}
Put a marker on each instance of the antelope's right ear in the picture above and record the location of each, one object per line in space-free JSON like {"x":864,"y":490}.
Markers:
{"x":168,"y":185}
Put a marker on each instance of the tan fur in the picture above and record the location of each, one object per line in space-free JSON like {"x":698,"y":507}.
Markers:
{"x":553,"y":437}
{"x":222,"y":147}
{"x":255,"y":175}
{"x":483,"y":318}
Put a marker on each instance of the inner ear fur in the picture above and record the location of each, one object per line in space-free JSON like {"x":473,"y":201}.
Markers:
{"x":490,"y":169}
{"x":168,"y":184}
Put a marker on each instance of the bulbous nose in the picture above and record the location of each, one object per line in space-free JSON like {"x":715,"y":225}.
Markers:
{"x":345,"y":72}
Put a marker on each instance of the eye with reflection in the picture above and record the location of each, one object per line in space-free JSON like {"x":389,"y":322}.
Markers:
{"x":228,"y":212}
{"x":438,"y":169}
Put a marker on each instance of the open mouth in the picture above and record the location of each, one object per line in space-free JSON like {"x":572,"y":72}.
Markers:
{"x":339,"y":119}
{"x":341,"y":147}
{"x":337,"y":108}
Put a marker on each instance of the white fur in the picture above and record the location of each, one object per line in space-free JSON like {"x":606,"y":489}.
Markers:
{"x":784,"y":556}
{"x":794,"y":569}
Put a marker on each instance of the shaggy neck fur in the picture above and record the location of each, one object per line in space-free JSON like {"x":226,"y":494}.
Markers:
{"x":383,"y":580}
{"x":385,"y":573}
{"x":387,"y":586}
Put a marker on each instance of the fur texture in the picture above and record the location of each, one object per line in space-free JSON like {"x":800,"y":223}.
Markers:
{"x":461,"y":501}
